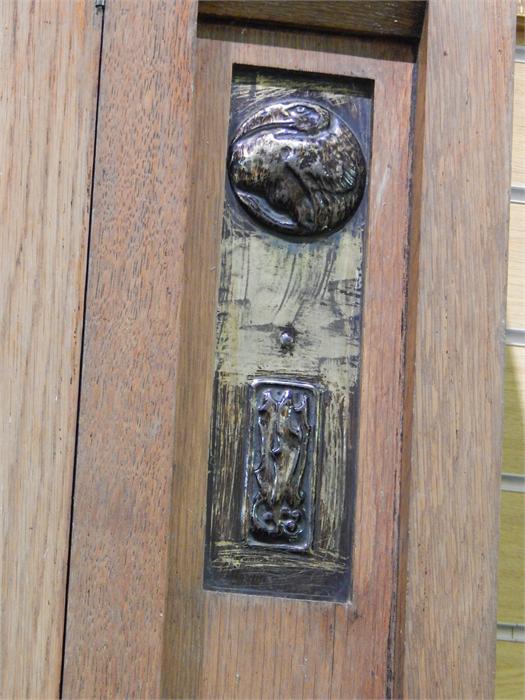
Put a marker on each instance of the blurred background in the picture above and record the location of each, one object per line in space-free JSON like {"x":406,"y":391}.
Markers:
{"x":510,"y":667}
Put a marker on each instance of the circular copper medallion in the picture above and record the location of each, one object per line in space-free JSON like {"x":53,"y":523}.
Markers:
{"x":298,"y":168}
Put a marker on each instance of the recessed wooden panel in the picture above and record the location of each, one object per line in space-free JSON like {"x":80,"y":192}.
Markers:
{"x":215,"y":640}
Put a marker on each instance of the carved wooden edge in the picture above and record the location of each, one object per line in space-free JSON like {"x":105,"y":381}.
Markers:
{"x":120,"y":533}
{"x":446,"y":610}
{"x":50,"y":54}
{"x":402,"y":19}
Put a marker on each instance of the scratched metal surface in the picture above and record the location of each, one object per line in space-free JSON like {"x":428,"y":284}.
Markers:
{"x":269,"y":283}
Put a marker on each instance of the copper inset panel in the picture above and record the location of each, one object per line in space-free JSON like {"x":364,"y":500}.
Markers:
{"x":284,"y":416}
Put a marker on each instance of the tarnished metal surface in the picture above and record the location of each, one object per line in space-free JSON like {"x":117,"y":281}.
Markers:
{"x":279,"y":488}
{"x":284,"y":420}
{"x":297,"y":168}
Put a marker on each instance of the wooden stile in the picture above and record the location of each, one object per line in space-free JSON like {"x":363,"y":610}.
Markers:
{"x":50,"y":58}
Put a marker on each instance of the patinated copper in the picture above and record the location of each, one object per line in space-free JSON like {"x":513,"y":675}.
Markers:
{"x":297,"y":168}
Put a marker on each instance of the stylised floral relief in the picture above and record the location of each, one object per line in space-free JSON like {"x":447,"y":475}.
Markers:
{"x":278,"y":503}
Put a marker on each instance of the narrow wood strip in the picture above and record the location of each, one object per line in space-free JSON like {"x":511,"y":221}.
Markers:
{"x":49,"y":57}
{"x":124,"y":471}
{"x":456,"y":456}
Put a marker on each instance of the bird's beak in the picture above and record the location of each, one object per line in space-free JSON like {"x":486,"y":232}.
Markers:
{"x":274,"y":116}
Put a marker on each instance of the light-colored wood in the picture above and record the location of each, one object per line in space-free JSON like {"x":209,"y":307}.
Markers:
{"x":511,"y":570}
{"x":397,"y":18}
{"x":516,"y":274}
{"x":119,"y":559}
{"x":510,"y":674}
{"x":514,"y":411}
{"x":224,"y":645}
{"x":456,"y":454}
{"x":518,"y":131}
{"x":49,"y":58}
{"x":120,"y":546}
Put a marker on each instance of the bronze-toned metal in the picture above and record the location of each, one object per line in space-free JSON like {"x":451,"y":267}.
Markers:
{"x":284,"y":415}
{"x":279,"y":473}
{"x":297,"y":168}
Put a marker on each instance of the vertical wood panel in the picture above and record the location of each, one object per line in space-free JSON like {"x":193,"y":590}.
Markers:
{"x":456,"y":457}
{"x":122,"y":496}
{"x":49,"y":58}
{"x":225,"y":645}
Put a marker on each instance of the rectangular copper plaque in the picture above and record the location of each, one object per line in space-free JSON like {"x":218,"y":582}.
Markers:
{"x":284,"y":419}
{"x":278,"y":407}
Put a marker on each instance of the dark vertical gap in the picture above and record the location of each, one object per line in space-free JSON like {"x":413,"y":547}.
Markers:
{"x":99,"y":9}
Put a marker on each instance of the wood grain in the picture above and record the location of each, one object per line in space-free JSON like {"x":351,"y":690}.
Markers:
{"x":49,"y":58}
{"x":456,"y":452}
{"x":516,"y":270}
{"x":122,"y":499}
{"x":383,"y":18}
{"x":364,"y":46}
{"x":229,"y":645}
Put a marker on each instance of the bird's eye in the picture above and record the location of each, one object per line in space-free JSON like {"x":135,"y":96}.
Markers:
{"x":300,"y":108}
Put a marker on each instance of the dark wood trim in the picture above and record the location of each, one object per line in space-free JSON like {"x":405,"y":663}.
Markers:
{"x":402,"y":19}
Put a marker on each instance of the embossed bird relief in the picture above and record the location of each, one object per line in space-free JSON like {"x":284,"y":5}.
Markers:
{"x":297,"y":168}
{"x":284,"y":434}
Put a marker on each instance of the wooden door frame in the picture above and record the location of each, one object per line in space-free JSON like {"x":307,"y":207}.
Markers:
{"x":445,"y":644}
{"x":447,"y":580}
